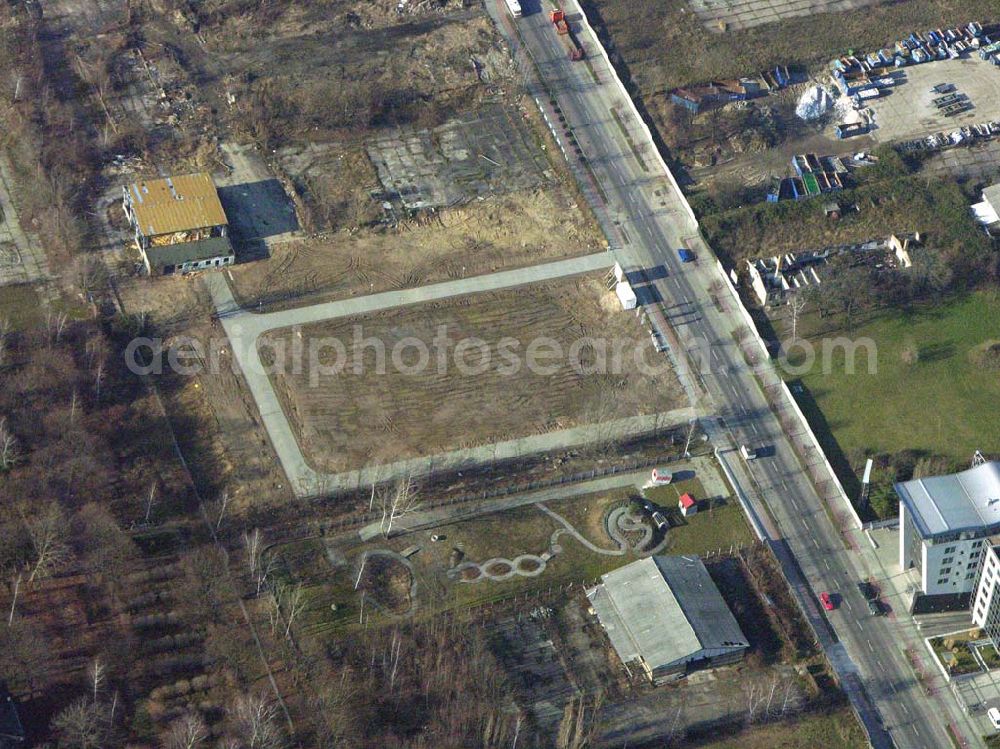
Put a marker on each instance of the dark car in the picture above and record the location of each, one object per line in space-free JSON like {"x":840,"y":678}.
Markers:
{"x":686,"y":256}
{"x":874,"y":607}
{"x":867,"y":590}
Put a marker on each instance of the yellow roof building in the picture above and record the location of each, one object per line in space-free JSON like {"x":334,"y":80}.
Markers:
{"x":175,"y":204}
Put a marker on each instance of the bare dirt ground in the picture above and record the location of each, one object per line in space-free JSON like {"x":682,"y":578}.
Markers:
{"x":347,"y":420}
{"x":503,"y":232}
{"x":212,"y":412}
{"x":724,"y":15}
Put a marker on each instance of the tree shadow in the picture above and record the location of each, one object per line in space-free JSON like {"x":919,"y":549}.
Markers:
{"x":938,"y":351}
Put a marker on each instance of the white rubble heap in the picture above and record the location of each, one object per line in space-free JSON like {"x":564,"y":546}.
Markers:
{"x":814,"y":103}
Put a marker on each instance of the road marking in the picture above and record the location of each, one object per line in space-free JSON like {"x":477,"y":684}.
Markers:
{"x":905,"y":710}
{"x":858,"y":622}
{"x":826,"y":564}
{"x":815,"y":542}
{"x":848,"y":602}
{"x":870,"y":646}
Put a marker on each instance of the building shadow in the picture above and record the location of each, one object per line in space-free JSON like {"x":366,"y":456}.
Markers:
{"x":257,"y":211}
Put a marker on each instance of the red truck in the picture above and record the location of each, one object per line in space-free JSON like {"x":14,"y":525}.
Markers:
{"x":573,"y":47}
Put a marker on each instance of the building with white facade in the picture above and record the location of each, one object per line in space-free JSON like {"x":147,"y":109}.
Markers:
{"x":986,"y":601}
{"x":945,"y":526}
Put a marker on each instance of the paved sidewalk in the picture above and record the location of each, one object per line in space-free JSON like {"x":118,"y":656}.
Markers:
{"x":253,"y":324}
{"x":704,"y":468}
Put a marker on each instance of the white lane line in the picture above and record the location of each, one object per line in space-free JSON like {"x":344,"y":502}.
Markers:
{"x":826,"y":564}
{"x":858,"y":622}
{"x":847,"y":601}
{"x":815,"y":542}
{"x":903,"y":705}
{"x":870,"y":646}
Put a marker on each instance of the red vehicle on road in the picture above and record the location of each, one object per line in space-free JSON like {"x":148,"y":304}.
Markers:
{"x":827,"y":601}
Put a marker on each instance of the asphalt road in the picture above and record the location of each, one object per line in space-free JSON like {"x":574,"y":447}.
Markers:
{"x":646,"y":221}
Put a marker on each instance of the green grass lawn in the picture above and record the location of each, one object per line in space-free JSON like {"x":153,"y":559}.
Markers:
{"x":507,"y":534}
{"x":941,"y":404}
{"x":21,"y":306}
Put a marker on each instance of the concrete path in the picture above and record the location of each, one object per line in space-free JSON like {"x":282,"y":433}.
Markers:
{"x":253,"y":324}
{"x":26,"y":262}
{"x":245,"y":328}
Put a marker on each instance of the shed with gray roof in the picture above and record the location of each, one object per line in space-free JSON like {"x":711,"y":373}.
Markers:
{"x":666,"y":614}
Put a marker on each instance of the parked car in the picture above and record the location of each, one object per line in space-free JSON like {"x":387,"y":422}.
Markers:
{"x":748,"y":453}
{"x":867,"y":590}
{"x":994,"y":715}
{"x":874,"y":607}
{"x":685,"y":255}
{"x":827,"y":601}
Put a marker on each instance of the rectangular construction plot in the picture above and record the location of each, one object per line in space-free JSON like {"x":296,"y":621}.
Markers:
{"x":483,"y":154}
{"x":727,"y":15}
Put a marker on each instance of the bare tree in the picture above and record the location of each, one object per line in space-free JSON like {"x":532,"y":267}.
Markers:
{"x":96,"y":672}
{"x":252,"y":544}
{"x":47,"y":530}
{"x":292,"y":600}
{"x":149,"y":501}
{"x":256,"y":722}
{"x":79,"y":725}
{"x":223,"y":503}
{"x":187,"y":732}
{"x":797,"y":305}
{"x":56,"y":326}
{"x":397,"y":500}
{"x":13,"y":600}
{"x":8,"y":446}
{"x":259,"y":568}
{"x":98,"y":378}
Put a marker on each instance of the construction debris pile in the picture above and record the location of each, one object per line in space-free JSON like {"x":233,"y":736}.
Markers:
{"x":814,"y":103}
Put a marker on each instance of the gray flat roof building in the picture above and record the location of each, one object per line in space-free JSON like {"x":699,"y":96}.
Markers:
{"x":964,"y":501}
{"x":944,"y":526}
{"x":666,"y":613}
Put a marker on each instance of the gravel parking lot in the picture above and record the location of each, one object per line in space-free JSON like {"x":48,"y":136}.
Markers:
{"x":907,"y":110}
